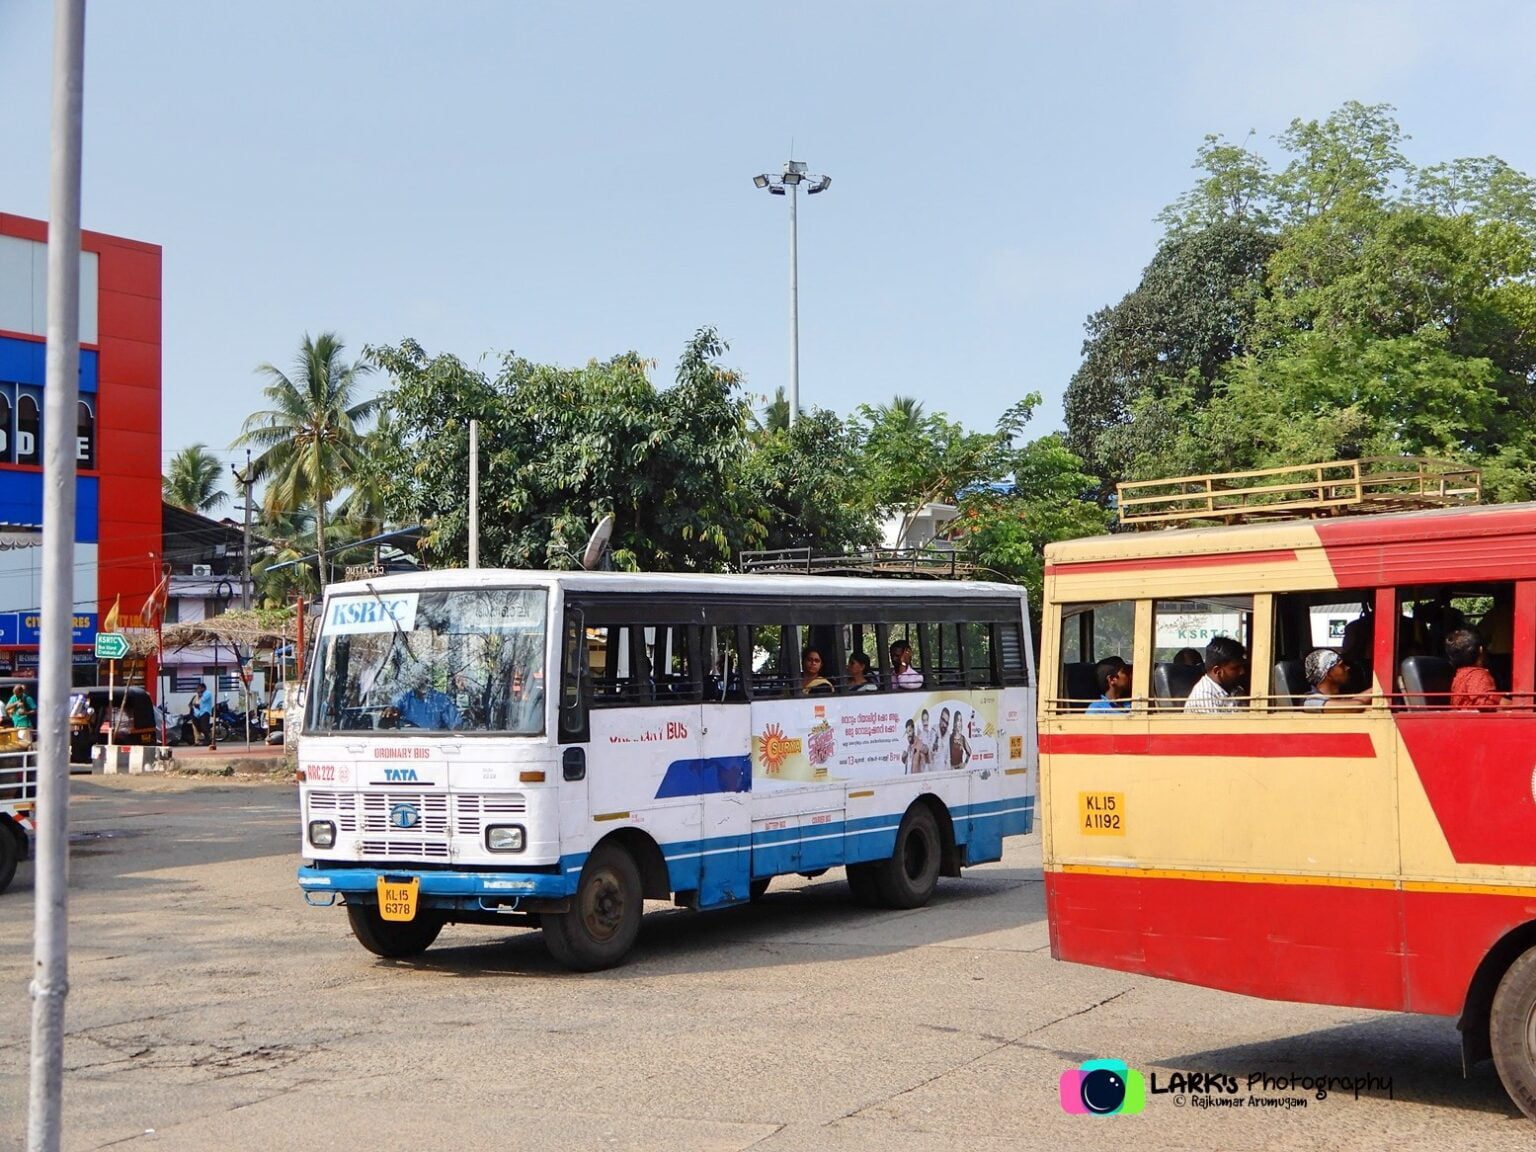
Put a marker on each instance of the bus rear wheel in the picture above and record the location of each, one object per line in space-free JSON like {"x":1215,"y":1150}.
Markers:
{"x":393,"y":939}
{"x":1512,"y":1032}
{"x":909,"y":877}
{"x":604,"y":919}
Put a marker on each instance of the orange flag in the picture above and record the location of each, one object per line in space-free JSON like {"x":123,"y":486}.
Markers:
{"x":109,"y":622}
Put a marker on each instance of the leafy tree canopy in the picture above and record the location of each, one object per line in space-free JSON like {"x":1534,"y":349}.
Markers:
{"x":1345,"y":303}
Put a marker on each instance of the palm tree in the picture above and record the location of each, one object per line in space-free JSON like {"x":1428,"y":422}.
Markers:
{"x":192,"y":480}
{"x":310,"y":433}
{"x":775,"y":417}
{"x":906,"y":411}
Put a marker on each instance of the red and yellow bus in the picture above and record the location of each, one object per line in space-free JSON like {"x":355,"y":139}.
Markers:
{"x":1379,"y":857}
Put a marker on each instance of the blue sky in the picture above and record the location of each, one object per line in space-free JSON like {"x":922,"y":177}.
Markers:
{"x":574,"y":180}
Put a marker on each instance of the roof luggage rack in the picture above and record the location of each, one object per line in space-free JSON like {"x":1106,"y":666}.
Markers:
{"x":910,"y":563}
{"x":1339,"y":487}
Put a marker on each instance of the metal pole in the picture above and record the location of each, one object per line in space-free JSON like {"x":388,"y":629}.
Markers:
{"x":245,"y":579}
{"x":50,"y":964}
{"x":474,"y":493}
{"x":794,"y":310}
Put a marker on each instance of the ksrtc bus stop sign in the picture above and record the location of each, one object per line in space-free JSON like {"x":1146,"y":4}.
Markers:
{"x":111,"y":645}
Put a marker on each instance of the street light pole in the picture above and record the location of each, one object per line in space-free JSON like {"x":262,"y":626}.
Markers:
{"x":793,"y":176}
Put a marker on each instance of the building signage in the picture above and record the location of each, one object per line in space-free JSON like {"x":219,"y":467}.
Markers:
{"x":24,"y":628}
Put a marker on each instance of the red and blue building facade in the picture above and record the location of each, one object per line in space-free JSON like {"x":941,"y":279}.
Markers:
{"x":118,"y":510}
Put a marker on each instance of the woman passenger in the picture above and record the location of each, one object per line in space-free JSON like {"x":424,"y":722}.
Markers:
{"x":813,"y":683}
{"x":859,"y":679}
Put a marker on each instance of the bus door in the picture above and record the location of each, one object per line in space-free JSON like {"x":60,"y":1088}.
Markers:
{"x":725,"y":776}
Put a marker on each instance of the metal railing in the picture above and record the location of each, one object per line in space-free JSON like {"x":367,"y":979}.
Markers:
{"x":920,"y":563}
{"x":18,"y":781}
{"x":1371,"y":484}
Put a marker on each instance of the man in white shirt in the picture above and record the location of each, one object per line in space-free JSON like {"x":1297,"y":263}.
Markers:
{"x":1225,"y":666}
{"x":903,"y":675}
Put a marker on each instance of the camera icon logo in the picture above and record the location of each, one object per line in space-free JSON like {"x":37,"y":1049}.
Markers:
{"x":1103,"y":1088}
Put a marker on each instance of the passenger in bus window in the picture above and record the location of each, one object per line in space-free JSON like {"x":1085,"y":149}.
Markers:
{"x":1189,"y":657}
{"x":1329,"y":675}
{"x":812,"y":682}
{"x":1472,"y":684}
{"x":1114,"y":676}
{"x":860,"y":678}
{"x":1225,"y":666}
{"x":903,"y":675}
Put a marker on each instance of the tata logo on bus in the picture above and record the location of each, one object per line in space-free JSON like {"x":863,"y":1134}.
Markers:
{"x":404,"y":816}
{"x":348,"y":615}
{"x":401,"y":776}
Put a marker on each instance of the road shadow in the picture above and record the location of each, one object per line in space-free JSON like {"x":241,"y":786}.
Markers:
{"x":791,"y":925}
{"x":1420,"y":1054}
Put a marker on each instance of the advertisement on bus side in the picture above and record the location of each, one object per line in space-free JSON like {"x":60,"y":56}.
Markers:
{"x":870,"y":737}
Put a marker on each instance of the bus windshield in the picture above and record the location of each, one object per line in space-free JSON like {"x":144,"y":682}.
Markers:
{"x":452,"y":661}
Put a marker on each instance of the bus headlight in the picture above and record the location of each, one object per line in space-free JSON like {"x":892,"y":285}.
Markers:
{"x":505,"y":837}
{"x":322,"y":833}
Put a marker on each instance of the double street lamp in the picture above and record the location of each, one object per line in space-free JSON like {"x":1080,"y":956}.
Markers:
{"x":789,"y":183}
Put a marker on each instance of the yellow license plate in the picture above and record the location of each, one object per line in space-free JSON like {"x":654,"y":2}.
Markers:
{"x":397,"y":899}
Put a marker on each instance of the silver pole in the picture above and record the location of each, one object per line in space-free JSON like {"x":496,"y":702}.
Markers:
{"x":794,"y":310}
{"x":245,"y":576}
{"x":474,"y":493}
{"x":50,"y":965}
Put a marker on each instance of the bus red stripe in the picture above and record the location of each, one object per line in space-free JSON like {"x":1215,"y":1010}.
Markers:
{"x":1231,"y":745}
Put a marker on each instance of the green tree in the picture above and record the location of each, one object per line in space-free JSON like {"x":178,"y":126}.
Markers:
{"x":813,"y":488}
{"x":1191,"y":314}
{"x":1347,"y":304}
{"x":310,"y":436}
{"x":192,"y":480}
{"x":563,"y":447}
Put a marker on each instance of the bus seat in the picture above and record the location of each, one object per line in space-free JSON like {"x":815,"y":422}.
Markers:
{"x":1426,"y":682}
{"x":1080,"y":685}
{"x":1172,"y":684}
{"x":1288,"y":683}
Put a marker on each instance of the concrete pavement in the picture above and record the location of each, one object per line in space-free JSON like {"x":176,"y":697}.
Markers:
{"x":211,"y":1008}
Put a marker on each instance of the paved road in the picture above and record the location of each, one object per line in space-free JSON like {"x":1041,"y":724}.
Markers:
{"x":211,"y":1009}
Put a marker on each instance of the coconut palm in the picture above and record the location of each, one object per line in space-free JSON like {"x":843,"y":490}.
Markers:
{"x":192,"y":480}
{"x":310,"y":434}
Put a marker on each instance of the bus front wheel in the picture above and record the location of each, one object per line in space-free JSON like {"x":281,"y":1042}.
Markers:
{"x":604,"y":919}
{"x":393,"y":939}
{"x":1512,"y":1031}
{"x":909,"y":877}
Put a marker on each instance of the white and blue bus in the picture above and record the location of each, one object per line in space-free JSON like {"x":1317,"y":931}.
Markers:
{"x":552,"y":749}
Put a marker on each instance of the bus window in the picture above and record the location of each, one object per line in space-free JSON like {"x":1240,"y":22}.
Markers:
{"x":979,"y":669}
{"x":1012,"y":663}
{"x":724,"y":678}
{"x":775,"y":661}
{"x":1429,"y":615}
{"x":1308,"y":621}
{"x":1089,"y":633}
{"x":947,"y":670}
{"x":673,"y":663}
{"x":1180,"y":631}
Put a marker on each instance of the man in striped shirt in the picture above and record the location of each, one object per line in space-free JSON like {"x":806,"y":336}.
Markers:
{"x":1225,"y":666}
